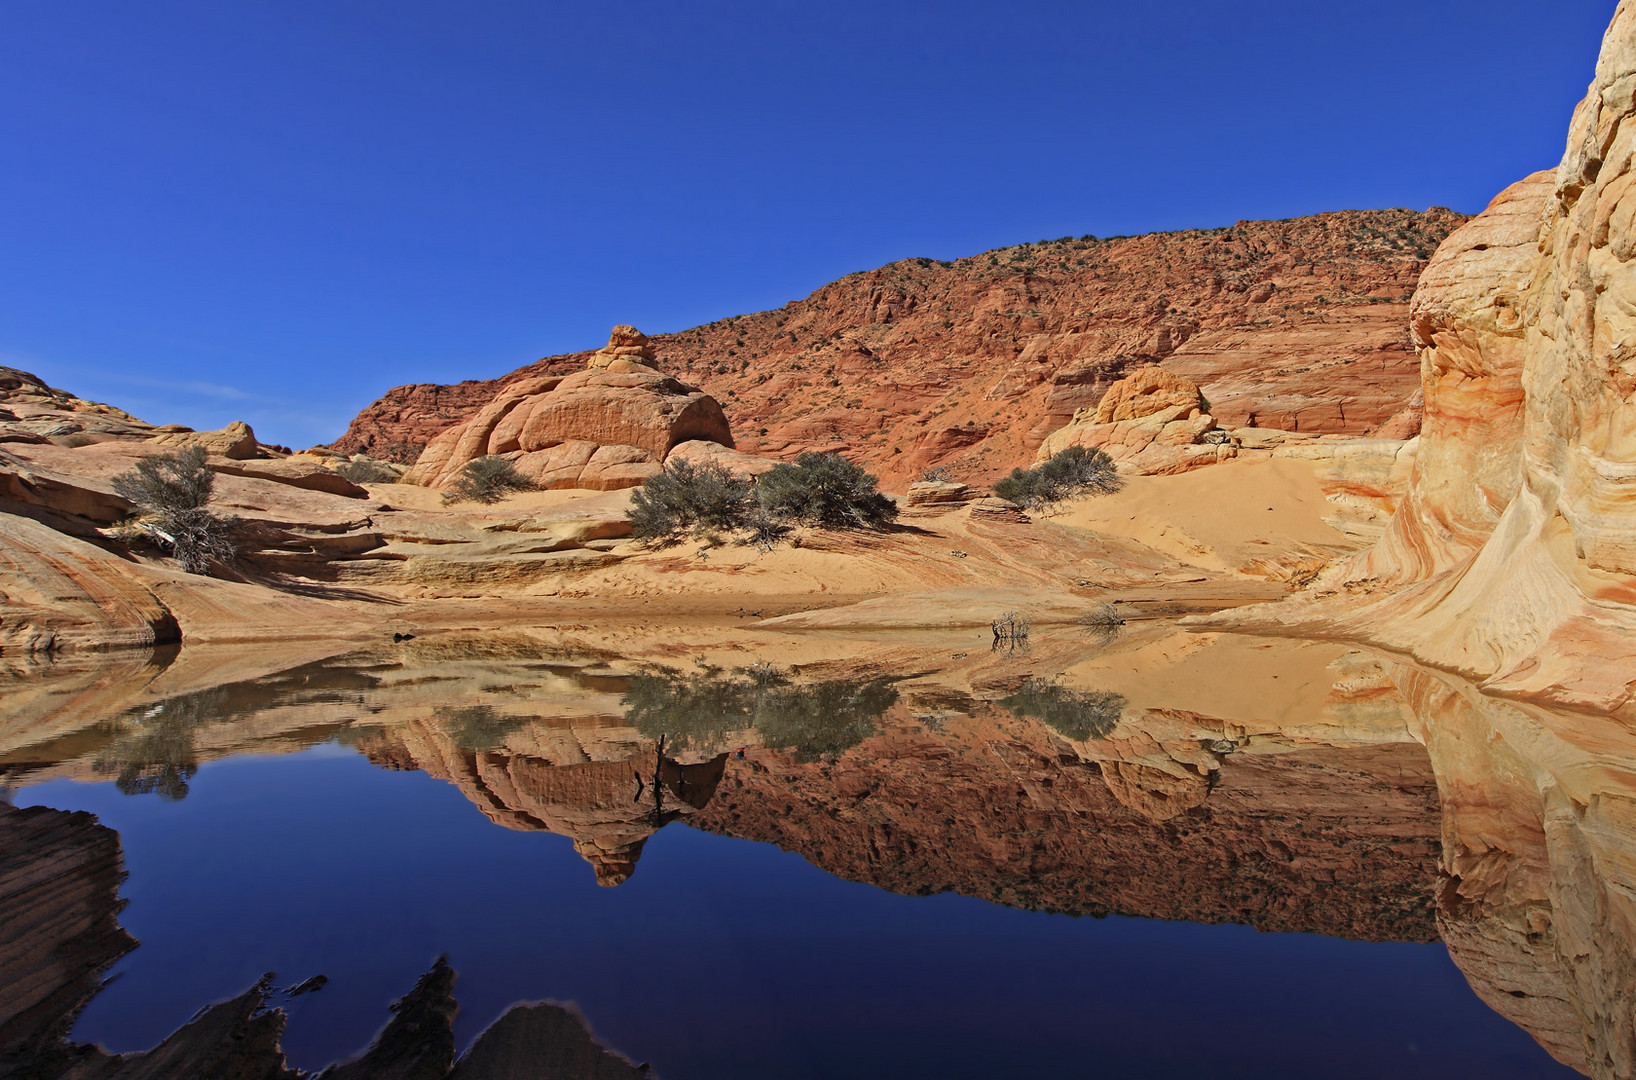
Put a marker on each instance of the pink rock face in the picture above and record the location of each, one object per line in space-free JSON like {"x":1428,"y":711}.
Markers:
{"x":1467,"y":322}
{"x":599,"y":429}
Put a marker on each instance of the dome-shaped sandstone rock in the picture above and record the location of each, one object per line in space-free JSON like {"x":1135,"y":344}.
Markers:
{"x":610,"y":426}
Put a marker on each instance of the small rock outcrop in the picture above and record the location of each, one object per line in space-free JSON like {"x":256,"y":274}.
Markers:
{"x":627,"y":350}
{"x":994,"y":508}
{"x":927,"y":497}
{"x":609,"y":426}
{"x":235,"y":441}
{"x":33,"y":412}
{"x":1147,"y":391}
{"x":1152,"y":421}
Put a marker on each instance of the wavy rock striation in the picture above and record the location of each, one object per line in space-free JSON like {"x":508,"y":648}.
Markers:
{"x":1513,"y":558}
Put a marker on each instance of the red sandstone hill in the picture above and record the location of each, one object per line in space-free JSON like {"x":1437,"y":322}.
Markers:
{"x":1298,"y":324}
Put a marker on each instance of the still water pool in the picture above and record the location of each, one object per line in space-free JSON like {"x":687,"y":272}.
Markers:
{"x":915,"y":881}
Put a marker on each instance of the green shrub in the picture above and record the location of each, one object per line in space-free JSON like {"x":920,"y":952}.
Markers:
{"x":825,"y":490}
{"x":686,"y":497}
{"x":170,"y":492}
{"x":1075,"y":471}
{"x":487,"y":480}
{"x":368,"y":471}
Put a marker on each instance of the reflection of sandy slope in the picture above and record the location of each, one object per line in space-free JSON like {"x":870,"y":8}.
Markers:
{"x":1538,"y":904}
{"x":95,"y":723}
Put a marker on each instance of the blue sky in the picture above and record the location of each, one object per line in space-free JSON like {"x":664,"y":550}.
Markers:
{"x":275,"y":211}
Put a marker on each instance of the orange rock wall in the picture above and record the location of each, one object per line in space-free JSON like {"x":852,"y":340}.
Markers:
{"x":1295,"y":324}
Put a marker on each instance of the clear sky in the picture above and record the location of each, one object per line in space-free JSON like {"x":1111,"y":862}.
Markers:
{"x":274,"y":211}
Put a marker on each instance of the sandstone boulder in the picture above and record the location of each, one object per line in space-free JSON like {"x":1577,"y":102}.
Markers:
{"x":993,"y":508}
{"x":699,"y":451}
{"x":607,"y":427}
{"x":627,"y":350}
{"x":928,"y":497}
{"x":1150,"y":422}
{"x":1147,"y":391}
{"x":235,"y":441}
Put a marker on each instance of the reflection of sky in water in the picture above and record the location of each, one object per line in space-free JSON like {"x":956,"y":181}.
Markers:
{"x":723,"y":958}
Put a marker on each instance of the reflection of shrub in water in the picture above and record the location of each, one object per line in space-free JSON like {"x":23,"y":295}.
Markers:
{"x":1075,"y":714}
{"x":478,"y":728}
{"x":813,"y":719}
{"x":823,"y":718}
{"x":155,"y":755}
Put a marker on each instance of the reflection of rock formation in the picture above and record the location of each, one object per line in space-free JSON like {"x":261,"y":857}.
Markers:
{"x":608,"y":808}
{"x":1539,"y":859}
{"x":59,"y":932}
{"x":1338,"y":840}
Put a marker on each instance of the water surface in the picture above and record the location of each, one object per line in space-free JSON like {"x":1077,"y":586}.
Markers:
{"x":1090,"y":858}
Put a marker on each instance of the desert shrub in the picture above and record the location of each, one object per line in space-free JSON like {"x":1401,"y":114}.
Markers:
{"x":76,"y":440}
{"x":937,"y":475}
{"x":487,"y":480}
{"x":685,"y":497}
{"x":827,"y":490}
{"x":764,"y":531}
{"x":1010,"y":627}
{"x":1075,"y":714}
{"x":478,"y":728}
{"x":198,"y":538}
{"x":1078,"y":470}
{"x":1103,"y":616}
{"x":170,"y":492}
{"x":368,"y":471}
{"x":167,"y":483}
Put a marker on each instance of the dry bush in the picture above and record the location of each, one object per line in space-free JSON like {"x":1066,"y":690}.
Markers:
{"x":486,"y":480}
